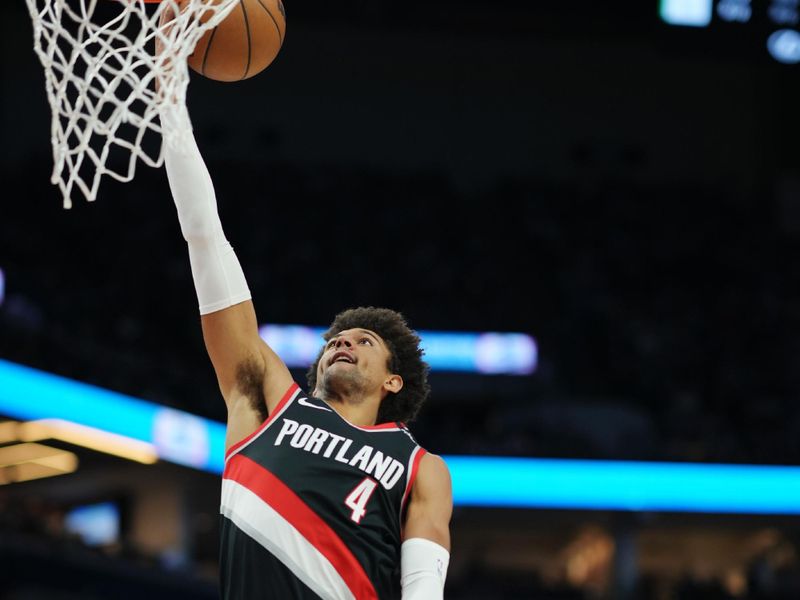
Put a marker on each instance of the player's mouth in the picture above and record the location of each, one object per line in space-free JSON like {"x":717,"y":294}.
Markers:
{"x":342,"y":356}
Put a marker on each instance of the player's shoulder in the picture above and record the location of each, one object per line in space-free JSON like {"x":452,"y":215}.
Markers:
{"x":433,"y":479}
{"x":435,"y":464}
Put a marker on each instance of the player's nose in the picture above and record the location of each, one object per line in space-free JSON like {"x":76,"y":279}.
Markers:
{"x":343,"y":341}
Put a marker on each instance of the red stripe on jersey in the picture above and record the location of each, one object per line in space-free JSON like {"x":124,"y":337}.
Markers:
{"x":374,"y":427}
{"x":292,"y":389}
{"x":412,"y":475}
{"x":291,"y":507}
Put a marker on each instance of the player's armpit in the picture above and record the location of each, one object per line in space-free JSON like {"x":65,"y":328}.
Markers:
{"x":241,"y":359}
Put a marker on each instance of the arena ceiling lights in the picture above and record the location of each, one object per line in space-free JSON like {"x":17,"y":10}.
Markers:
{"x":109,"y":421}
{"x":479,"y":481}
{"x":79,"y":435}
{"x":27,"y":461}
{"x":776,"y":20}
{"x":23,"y":457}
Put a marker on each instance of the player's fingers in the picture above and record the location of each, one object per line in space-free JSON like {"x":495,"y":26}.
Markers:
{"x":169,"y":9}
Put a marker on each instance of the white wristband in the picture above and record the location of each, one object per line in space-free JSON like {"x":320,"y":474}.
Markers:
{"x":423,"y":569}
{"x":218,"y":277}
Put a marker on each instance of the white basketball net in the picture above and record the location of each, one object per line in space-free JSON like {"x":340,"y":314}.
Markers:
{"x":101,"y":71}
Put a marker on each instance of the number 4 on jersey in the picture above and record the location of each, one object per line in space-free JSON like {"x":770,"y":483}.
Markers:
{"x":358,"y":498}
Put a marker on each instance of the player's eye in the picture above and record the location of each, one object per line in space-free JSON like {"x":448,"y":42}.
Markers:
{"x":365,"y":339}
{"x":331,"y":344}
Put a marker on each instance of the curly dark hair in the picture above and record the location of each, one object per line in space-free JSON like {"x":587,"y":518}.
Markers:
{"x":405,"y":359}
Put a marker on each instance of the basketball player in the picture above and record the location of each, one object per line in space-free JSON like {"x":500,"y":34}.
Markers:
{"x":325,"y":492}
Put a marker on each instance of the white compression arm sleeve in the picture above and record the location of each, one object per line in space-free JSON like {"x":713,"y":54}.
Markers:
{"x":218,"y":277}
{"x":423,"y":569}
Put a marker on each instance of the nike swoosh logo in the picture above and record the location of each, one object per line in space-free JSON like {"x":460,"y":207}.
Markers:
{"x":304,"y":402}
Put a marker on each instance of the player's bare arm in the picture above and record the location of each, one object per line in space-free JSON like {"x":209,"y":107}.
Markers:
{"x":241,"y":359}
{"x":248,"y":371}
{"x":251,"y":377}
{"x":230,"y":328}
{"x":431,"y":504}
{"x":426,"y":534}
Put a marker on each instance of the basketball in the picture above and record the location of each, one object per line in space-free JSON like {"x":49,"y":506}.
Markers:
{"x":243,"y":44}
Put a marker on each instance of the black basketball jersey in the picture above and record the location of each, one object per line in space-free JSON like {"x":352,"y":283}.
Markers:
{"x":312,"y":506}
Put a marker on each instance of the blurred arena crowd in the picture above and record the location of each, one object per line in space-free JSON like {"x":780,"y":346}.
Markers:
{"x":666,"y":318}
{"x":665,"y":305}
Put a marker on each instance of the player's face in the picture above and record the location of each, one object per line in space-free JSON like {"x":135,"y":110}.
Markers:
{"x":355,"y":356}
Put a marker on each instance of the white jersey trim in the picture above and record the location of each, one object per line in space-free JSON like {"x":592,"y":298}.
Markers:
{"x":409,"y":481}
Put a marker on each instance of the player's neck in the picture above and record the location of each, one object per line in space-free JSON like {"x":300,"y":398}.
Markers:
{"x":359,"y":411}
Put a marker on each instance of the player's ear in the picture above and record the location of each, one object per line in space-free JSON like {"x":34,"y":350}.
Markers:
{"x":393,"y":384}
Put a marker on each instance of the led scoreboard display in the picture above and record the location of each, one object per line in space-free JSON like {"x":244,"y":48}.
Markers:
{"x":773,"y":24}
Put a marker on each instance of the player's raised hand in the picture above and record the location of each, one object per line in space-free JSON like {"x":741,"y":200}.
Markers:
{"x":169,"y":10}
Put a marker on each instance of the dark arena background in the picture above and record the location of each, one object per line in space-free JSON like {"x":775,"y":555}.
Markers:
{"x":616,"y":184}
